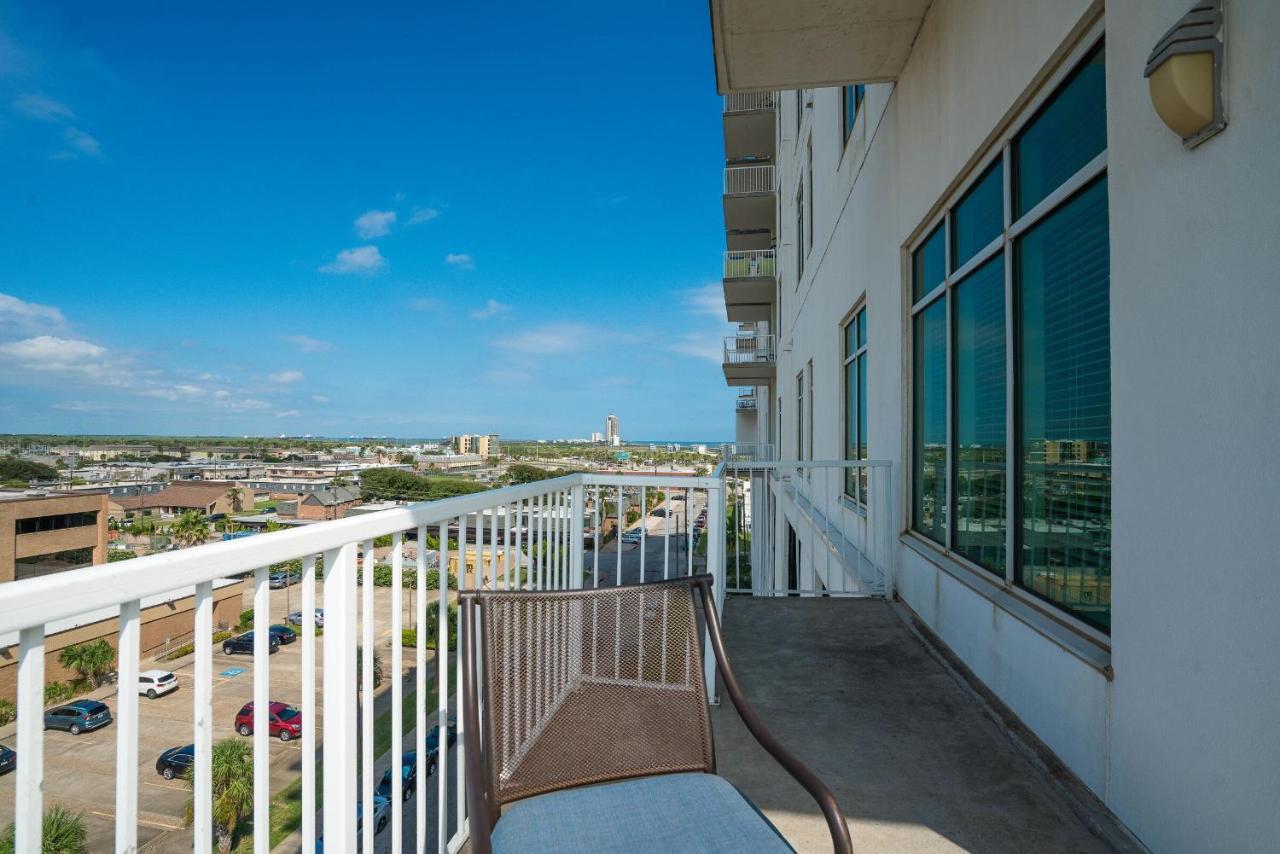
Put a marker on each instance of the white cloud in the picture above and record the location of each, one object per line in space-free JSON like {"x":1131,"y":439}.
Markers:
{"x":700,"y":346}
{"x":424,"y":303}
{"x":307,"y":344}
{"x":707,"y":300}
{"x":375,"y":223}
{"x":365,"y":260}
{"x":29,"y":316}
{"x":550,"y":339}
{"x":319,"y":398}
{"x":460,"y":260}
{"x":247,"y":404}
{"x":421,"y":215}
{"x":50,"y":353}
{"x":42,"y":108}
{"x":222,"y":394}
{"x":288,"y":413}
{"x":81,"y":143}
{"x":492,"y":308}
{"x":286,"y":377}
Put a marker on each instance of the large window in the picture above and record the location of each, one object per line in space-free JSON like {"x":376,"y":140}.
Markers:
{"x":854,"y":389}
{"x":56,"y":522}
{"x":47,"y":564}
{"x":1012,"y":286}
{"x":808,"y":237}
{"x":851,"y":103}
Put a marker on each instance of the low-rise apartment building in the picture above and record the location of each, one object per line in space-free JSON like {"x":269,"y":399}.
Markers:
{"x":483,"y":445}
{"x":1023,"y":254}
{"x":206,"y":497}
{"x":331,"y":503}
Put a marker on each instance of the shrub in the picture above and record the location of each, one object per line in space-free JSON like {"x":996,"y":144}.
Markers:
{"x":433,"y":580}
{"x":433,"y":623}
{"x":62,"y":831}
{"x":58,"y":692}
{"x":8,"y":712}
{"x":114,"y":555}
{"x":246,"y":620}
{"x":409,"y":637}
{"x":189,"y":648}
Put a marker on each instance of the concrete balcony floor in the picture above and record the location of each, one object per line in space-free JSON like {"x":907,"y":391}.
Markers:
{"x":915,"y":760}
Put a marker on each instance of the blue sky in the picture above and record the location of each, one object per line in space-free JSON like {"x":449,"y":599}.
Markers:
{"x":372,"y":220}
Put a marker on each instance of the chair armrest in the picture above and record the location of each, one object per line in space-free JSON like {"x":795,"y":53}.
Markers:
{"x":840,"y":841}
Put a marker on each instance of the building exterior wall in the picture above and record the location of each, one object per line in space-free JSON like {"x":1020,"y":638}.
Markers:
{"x":1165,"y":721}
{"x":160,"y":624}
{"x":14,"y":546}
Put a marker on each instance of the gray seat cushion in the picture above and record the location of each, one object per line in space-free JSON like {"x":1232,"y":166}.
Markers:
{"x":694,"y":812}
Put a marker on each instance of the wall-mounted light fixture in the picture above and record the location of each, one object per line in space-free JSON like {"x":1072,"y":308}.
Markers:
{"x":1184,"y":72}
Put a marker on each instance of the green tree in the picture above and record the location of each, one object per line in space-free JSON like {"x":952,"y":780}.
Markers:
{"x":63,"y":832}
{"x":191,"y":529}
{"x":233,"y":495}
{"x":232,"y":781}
{"x":93,"y":660}
{"x":25,"y":470}
{"x":114,"y":555}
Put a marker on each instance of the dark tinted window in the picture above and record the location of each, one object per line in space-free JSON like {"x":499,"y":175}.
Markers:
{"x":929,"y":264}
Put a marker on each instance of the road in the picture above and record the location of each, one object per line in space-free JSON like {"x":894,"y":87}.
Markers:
{"x":675,"y":546}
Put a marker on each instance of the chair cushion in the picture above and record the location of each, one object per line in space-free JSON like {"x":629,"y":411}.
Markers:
{"x":691,"y":813}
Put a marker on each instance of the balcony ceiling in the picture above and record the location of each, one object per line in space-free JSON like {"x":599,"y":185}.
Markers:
{"x":792,"y":44}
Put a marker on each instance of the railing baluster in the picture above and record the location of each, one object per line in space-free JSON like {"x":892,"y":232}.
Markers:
{"x":595,"y":540}
{"x":366,"y":696}
{"x":666,"y":534}
{"x":460,"y":793}
{"x":28,"y":806}
{"x":202,"y":715}
{"x":688,"y":521}
{"x":618,"y":516}
{"x":420,"y":688}
{"x":507,"y":510}
{"x":340,"y":690}
{"x":397,"y":690}
{"x":127,"y":726}
{"x":309,"y":716}
{"x":261,"y":708}
{"x":442,"y":680}
{"x":576,"y":568}
{"x":493,"y":548}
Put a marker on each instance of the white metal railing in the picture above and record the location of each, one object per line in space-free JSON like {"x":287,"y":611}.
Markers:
{"x":745,"y":404}
{"x":746,"y":452}
{"x":742,"y":180}
{"x":530,"y":535}
{"x":749,"y":263}
{"x":808,"y":528}
{"x":749,"y":349}
{"x":743,"y":102}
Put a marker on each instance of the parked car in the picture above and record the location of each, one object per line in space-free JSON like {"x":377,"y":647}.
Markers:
{"x":244,"y":644}
{"x":296,"y":617}
{"x":658,"y":511}
{"x":433,"y":743}
{"x":8,"y":759}
{"x":175,"y":761}
{"x":78,"y":716}
{"x":631,"y":536}
{"x":408,"y":777}
{"x":381,"y":815}
{"x":283,"y":634}
{"x":153,"y":683}
{"x":282,"y":579}
{"x":283,"y":721}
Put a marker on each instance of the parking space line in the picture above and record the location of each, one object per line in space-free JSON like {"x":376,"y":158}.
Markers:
{"x":165,"y":786}
{"x":147,"y":822}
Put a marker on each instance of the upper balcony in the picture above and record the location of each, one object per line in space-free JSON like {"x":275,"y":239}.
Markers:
{"x":827,"y":700}
{"x":750,"y":125}
{"x":746,"y":402}
{"x":750,"y":284}
{"x":749,"y":359}
{"x":761,"y":44}
{"x":750,"y":202}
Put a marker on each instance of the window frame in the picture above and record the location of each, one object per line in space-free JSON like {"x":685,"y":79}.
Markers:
{"x":847,"y":124}
{"x":1014,"y":227}
{"x":800,"y":231}
{"x":850,"y":361}
{"x":800,"y":416}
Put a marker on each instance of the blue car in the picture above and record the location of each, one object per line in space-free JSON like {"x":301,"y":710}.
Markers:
{"x":78,"y":716}
{"x":8,"y":759}
{"x":282,"y":634}
{"x":381,"y":815}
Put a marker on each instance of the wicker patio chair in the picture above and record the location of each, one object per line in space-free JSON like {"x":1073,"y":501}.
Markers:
{"x":594,"y":730}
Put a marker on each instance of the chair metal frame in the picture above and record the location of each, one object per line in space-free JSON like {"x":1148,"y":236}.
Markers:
{"x":481,"y":787}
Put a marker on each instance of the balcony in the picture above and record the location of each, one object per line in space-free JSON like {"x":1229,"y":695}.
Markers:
{"x":750,"y":125}
{"x":760,"y":44}
{"x":745,"y":403}
{"x":750,"y":202}
{"x":750,"y":284}
{"x":910,"y":783}
{"x":749,"y":359}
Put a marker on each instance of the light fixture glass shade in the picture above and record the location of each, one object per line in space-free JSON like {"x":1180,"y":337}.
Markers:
{"x":1182,"y":92}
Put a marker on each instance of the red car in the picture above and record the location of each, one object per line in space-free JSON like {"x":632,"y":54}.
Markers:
{"x":285,"y":720}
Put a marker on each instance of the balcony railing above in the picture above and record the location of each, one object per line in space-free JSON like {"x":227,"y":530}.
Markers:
{"x":745,"y":102}
{"x":749,"y":349}
{"x":749,"y":452}
{"x":750,"y":264}
{"x":749,"y":180}
{"x":745,"y":403}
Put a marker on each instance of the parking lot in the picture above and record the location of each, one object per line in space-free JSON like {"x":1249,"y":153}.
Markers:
{"x":80,"y":770}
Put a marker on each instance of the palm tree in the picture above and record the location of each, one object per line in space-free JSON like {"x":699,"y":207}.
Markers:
{"x":233,"y":495}
{"x":64,"y":832}
{"x":377,"y":667}
{"x":92,"y":660}
{"x":232,"y":780}
{"x":191,"y":529}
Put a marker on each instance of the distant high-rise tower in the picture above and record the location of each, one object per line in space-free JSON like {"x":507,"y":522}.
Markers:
{"x":611,"y":434}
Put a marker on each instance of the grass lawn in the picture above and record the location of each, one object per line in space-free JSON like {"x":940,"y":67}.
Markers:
{"x":286,"y":805}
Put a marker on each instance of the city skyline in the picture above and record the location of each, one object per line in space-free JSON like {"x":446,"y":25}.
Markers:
{"x":378,"y":257}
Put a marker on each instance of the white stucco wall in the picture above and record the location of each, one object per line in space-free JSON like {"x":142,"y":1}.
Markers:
{"x":1180,"y":744}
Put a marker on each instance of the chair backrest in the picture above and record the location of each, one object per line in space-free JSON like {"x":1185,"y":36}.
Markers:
{"x":585,"y":686}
